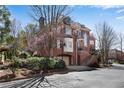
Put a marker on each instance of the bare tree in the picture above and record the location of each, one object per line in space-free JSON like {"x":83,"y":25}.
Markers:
{"x":15,"y":28}
{"x":50,"y":17}
{"x":31,"y":31}
{"x":106,"y":40}
{"x":121,"y":40}
{"x":12,"y":39}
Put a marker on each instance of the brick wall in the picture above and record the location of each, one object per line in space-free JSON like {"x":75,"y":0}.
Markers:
{"x":80,"y":54}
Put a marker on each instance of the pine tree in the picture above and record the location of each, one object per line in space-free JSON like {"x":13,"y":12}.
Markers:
{"x":4,"y":24}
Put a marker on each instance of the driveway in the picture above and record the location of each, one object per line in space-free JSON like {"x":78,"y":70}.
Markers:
{"x":102,"y":78}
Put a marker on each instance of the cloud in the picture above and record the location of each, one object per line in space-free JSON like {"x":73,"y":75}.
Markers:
{"x":104,"y":7}
{"x":108,"y":6}
{"x":121,"y":10}
{"x":120,"y":18}
{"x":78,"y":6}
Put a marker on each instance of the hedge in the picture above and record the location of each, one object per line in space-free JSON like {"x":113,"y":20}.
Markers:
{"x":38,"y":63}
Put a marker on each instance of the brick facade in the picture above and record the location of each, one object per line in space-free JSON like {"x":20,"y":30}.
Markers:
{"x":78,"y":43}
{"x":116,"y":55}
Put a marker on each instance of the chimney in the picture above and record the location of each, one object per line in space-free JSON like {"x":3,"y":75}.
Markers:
{"x":41,"y":23}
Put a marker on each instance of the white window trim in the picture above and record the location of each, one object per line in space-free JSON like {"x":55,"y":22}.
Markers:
{"x":85,"y":40}
{"x":67,"y":47}
{"x":68,"y":31}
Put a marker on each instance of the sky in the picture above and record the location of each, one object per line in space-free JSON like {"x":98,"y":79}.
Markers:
{"x":85,"y":14}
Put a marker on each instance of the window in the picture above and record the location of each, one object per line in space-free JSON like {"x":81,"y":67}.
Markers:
{"x":85,"y":40}
{"x":58,"y":43}
{"x":91,"y":42}
{"x":79,"y":34}
{"x":68,"y":31}
{"x":80,"y":44}
{"x":68,"y":45}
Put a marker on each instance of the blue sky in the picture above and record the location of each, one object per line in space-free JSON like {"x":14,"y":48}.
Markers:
{"x":87,"y":15}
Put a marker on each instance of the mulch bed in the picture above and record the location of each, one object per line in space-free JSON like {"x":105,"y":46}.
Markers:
{"x":5,"y":77}
{"x":1,"y":63}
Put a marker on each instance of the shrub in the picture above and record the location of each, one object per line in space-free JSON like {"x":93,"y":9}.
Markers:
{"x":15,"y":65}
{"x":52,"y":63}
{"x":23,"y":63}
{"x":35,"y":59}
{"x":60,"y":64}
{"x":19,"y":63}
{"x":39,"y":63}
{"x":35,"y":63}
{"x":121,"y":62}
{"x":24,"y":54}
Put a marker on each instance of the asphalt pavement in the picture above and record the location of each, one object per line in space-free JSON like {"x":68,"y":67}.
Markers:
{"x":112,"y":77}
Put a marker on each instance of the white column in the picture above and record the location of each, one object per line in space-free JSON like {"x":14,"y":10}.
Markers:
{"x":3,"y":57}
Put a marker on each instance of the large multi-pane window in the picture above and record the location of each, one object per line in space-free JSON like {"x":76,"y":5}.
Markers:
{"x":68,"y":31}
{"x":80,"y":44}
{"x":68,"y":45}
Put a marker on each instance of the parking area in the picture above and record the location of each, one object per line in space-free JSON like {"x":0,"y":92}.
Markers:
{"x":101,"y":78}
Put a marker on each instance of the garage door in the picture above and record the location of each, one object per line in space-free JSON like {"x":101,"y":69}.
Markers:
{"x":66,"y":59}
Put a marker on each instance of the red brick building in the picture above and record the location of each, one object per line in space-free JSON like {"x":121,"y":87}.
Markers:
{"x":77,"y":43}
{"x":116,"y":55}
